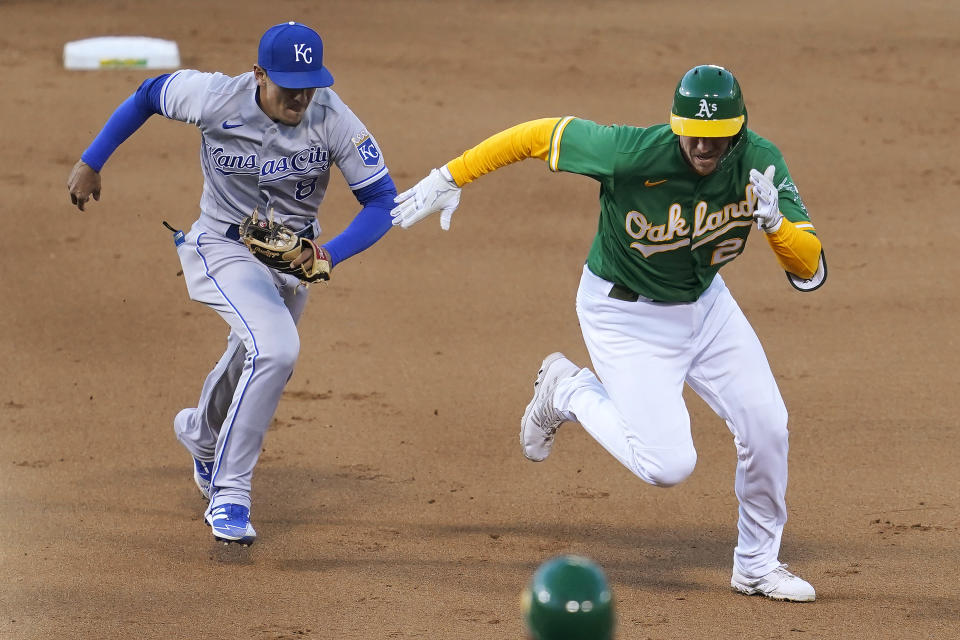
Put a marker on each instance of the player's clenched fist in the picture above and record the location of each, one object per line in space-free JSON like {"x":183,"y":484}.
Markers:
{"x":83,"y":183}
{"x":438,"y":192}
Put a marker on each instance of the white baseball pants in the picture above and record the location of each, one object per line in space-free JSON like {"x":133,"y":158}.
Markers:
{"x":644,"y":352}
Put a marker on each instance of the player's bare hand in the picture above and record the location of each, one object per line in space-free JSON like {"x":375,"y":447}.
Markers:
{"x":305,"y":259}
{"x":83,"y":183}
{"x":437,"y":193}
{"x":767,"y":214}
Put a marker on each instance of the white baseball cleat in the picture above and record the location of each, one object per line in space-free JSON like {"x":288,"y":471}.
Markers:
{"x":779,"y":584}
{"x":541,"y":420}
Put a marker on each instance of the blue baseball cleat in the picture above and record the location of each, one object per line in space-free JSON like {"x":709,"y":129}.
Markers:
{"x":231,"y":523}
{"x":202,"y":472}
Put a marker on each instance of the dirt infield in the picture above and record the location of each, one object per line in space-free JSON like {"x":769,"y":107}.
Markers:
{"x":392,"y":500}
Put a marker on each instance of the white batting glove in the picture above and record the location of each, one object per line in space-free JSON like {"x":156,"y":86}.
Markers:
{"x":436,"y":193}
{"x":767,"y":214}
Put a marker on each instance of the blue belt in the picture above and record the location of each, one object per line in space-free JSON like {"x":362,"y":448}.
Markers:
{"x":233,"y":232}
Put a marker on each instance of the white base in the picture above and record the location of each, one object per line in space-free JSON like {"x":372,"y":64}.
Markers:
{"x":121,"y":52}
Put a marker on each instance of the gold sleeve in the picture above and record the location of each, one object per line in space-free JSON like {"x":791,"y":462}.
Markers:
{"x":522,"y":141}
{"x":798,"y":252}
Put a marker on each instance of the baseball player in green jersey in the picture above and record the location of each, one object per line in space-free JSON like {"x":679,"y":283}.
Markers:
{"x":677,"y":202}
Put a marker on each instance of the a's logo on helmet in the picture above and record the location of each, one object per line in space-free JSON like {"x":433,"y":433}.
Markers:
{"x":706,"y":110}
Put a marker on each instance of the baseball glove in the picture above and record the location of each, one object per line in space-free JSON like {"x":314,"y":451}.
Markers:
{"x":277,"y":246}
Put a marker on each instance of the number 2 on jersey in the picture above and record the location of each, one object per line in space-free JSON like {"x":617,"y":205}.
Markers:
{"x":726,"y":250}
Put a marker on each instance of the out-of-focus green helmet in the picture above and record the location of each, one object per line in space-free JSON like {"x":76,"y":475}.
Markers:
{"x":568,"y":598}
{"x":707,"y":104}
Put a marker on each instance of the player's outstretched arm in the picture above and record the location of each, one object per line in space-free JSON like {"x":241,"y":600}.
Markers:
{"x":439,"y":192}
{"x":83,"y":182}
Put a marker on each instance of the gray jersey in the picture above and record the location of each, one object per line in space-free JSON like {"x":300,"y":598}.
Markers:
{"x":249,"y":161}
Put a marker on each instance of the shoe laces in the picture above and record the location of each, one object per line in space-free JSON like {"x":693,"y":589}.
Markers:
{"x":783,"y":573}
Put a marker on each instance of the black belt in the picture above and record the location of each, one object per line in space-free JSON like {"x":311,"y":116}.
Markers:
{"x":233,"y":232}
{"x":620,"y":292}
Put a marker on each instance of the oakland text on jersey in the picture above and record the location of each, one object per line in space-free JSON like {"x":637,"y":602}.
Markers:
{"x":309,"y":160}
{"x":706,"y":226}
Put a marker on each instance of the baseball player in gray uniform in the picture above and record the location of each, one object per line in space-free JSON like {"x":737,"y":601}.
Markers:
{"x":268,"y":140}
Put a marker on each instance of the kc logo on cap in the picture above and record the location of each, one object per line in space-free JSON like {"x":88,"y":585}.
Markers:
{"x":292,"y":55}
{"x":303,"y":51}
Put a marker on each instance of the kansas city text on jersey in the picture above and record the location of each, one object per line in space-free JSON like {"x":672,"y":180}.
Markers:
{"x":310,"y":160}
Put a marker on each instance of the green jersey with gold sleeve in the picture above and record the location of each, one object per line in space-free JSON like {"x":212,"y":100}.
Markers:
{"x":664,"y":230}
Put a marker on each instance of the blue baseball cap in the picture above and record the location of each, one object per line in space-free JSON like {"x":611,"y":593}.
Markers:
{"x":292,"y":55}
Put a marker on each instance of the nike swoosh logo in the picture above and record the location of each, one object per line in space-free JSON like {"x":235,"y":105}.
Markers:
{"x":226,"y":125}
{"x":646,"y":183}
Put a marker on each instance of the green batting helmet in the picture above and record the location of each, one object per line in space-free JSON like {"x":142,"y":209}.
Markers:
{"x":568,"y":598}
{"x":707,"y":104}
